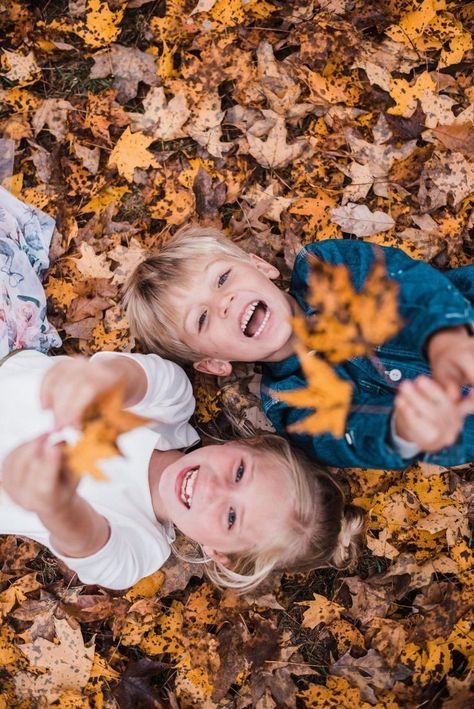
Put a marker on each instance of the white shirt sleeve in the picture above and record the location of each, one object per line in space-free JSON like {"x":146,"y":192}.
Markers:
{"x":131,"y":553}
{"x":405,"y":449}
{"x":168,"y":400}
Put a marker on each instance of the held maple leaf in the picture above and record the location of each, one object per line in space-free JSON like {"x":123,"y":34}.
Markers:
{"x":326,"y":392}
{"x":346,"y":323}
{"x":103,"y":422}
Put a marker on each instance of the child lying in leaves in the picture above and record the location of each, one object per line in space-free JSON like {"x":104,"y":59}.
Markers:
{"x":202,"y":299}
{"x":252,"y":505}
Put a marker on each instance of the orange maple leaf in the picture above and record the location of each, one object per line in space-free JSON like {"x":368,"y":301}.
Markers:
{"x":326,"y":392}
{"x":103,"y":422}
{"x":346,"y":323}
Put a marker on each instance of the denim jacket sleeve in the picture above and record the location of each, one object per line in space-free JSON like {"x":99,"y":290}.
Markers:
{"x":365,"y":444}
{"x":428,"y":299}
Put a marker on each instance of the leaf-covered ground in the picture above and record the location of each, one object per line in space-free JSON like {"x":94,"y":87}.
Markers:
{"x":282,"y":123}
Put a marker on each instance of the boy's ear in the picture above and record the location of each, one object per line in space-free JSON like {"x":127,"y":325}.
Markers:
{"x":218,"y":367}
{"x":216,"y":555}
{"x":265,"y":267}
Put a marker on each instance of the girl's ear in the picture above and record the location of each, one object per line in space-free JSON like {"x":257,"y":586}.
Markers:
{"x":218,"y":367}
{"x":264,"y":267}
{"x":216,"y":555}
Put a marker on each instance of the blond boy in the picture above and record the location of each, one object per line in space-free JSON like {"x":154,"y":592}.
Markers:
{"x":202,"y":299}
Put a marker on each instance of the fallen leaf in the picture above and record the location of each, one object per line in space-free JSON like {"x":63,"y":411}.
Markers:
{"x":68,"y":665}
{"x":320,"y":610}
{"x":130,"y":152}
{"x":359,"y":220}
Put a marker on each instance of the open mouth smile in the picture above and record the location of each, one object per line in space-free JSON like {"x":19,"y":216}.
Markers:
{"x":254,"y":318}
{"x":186,"y":486}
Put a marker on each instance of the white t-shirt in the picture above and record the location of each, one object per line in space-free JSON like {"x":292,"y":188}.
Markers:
{"x":138,"y":543}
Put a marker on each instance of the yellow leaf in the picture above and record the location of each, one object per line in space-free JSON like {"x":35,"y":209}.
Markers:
{"x":319,"y":225}
{"x":131,"y":152}
{"x":326,"y":392}
{"x":337,"y":694}
{"x":175,"y":208}
{"x":169,"y":638}
{"x":428,"y":665}
{"x":412,"y":26}
{"x":346,"y":635}
{"x":102,"y":25}
{"x":200,"y":607}
{"x":106,"y":196}
{"x":462,"y":638}
{"x":405,"y":96}
{"x":103,"y":422}
{"x":147,"y":587}
{"x":60,"y":291}
{"x":320,"y":610}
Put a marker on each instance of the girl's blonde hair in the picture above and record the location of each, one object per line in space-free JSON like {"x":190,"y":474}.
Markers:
{"x":323,"y":531}
{"x":146,"y":298}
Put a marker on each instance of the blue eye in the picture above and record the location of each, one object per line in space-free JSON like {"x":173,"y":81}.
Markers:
{"x":201,"y":321}
{"x":231,"y":518}
{"x":222,"y":278}
{"x":240,"y":472}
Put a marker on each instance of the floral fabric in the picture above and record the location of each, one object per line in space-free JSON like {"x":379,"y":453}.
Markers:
{"x":25,"y":236}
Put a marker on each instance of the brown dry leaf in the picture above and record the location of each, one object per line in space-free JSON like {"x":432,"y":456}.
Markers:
{"x":128,"y":257}
{"x":53,"y":113}
{"x":275,"y":151}
{"x":128,"y":65}
{"x":369,"y":673}
{"x":359,"y":220}
{"x":22,"y":68}
{"x":92,"y":265}
{"x":68,"y":665}
{"x":130,"y":152}
{"x":458,"y":137}
{"x":103,"y":422}
{"x":327,"y":393}
{"x":446,"y":179}
{"x":162,"y":119}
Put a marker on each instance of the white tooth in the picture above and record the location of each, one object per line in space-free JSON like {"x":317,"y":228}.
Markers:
{"x":248,"y":314}
{"x":264,"y":322}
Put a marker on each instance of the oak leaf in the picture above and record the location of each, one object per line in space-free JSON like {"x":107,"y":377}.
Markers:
{"x":327,"y":393}
{"x":359,"y":220}
{"x":103,"y":422}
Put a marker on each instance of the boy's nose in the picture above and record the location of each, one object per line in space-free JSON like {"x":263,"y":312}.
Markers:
{"x":224,"y":304}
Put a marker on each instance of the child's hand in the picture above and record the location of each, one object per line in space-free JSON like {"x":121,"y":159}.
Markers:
{"x":70,"y":386}
{"x":425,"y":415}
{"x":34,"y":477}
{"x":451,"y":356}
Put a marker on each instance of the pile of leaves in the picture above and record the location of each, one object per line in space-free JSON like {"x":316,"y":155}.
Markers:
{"x":281,"y":123}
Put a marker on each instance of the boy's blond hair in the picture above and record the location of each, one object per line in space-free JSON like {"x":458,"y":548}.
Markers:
{"x":151,"y":317}
{"x":322,"y":531}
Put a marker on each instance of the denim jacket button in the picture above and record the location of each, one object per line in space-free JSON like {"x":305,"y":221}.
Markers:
{"x":395,"y":375}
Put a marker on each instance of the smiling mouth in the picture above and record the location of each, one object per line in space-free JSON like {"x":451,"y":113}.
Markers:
{"x":187,"y":487}
{"x":255,"y":318}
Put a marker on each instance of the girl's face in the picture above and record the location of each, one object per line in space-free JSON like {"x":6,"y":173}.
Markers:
{"x":228,"y":497}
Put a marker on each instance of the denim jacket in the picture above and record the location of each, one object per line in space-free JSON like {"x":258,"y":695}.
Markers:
{"x":428,"y":301}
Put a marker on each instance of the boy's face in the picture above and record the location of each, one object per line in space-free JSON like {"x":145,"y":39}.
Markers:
{"x":232,"y":311}
{"x":227,"y":497}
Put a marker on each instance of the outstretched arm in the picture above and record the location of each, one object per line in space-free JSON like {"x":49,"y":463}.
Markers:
{"x":35,"y":477}
{"x":70,"y":386}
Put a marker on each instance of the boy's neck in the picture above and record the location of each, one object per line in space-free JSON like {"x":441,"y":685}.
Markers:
{"x":159,"y":461}
{"x":288,"y":348}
